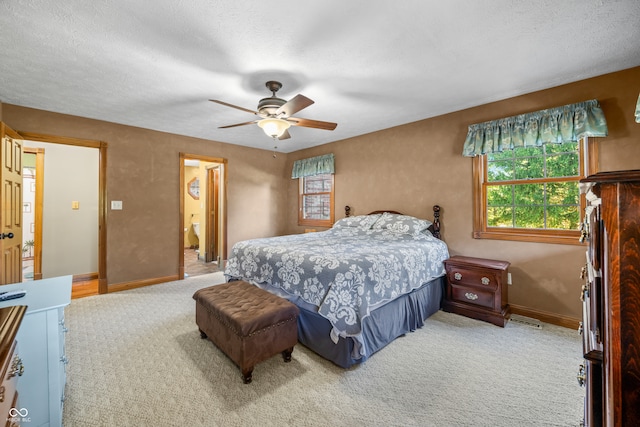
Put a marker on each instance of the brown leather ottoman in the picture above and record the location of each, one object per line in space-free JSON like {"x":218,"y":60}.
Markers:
{"x":247,"y":323}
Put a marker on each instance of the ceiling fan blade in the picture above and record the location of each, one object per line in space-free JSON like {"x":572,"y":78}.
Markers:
{"x":233,"y":106}
{"x":316,"y":124}
{"x":294,"y":105}
{"x":285,"y":135}
{"x":237,"y":124}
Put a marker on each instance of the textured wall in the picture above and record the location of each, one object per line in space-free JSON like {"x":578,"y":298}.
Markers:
{"x":409,"y":168}
{"x":143,"y":172}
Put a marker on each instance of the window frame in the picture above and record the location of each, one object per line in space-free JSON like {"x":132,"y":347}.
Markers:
{"x":316,"y":222}
{"x":588,"y":152}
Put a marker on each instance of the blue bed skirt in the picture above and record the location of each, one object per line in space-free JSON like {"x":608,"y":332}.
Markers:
{"x":386,"y":323}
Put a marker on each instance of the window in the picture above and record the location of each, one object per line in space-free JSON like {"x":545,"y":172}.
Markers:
{"x":531,"y":193}
{"x":315,"y":202}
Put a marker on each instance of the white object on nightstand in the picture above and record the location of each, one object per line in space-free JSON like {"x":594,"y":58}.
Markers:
{"x":42,"y":347}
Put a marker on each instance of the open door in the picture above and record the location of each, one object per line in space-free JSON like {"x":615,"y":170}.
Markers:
{"x":11,"y":209}
{"x":213,"y":247}
{"x":212,"y":251}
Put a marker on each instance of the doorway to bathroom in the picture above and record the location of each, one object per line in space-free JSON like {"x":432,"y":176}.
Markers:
{"x":202,"y":215}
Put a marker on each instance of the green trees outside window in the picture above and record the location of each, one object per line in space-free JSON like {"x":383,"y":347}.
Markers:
{"x":534,"y":187}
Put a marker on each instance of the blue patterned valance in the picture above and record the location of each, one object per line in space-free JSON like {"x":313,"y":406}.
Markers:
{"x":555,"y":125}
{"x":313,"y":166}
{"x":638,"y":110}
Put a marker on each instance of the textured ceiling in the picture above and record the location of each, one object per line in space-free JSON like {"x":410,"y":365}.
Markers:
{"x":368,"y":65}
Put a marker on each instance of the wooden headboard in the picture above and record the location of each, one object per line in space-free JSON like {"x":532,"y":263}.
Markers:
{"x":433,"y":228}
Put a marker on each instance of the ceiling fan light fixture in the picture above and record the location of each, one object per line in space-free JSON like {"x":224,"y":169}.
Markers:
{"x":274,"y":127}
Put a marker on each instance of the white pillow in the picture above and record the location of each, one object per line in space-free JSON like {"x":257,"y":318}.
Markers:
{"x":363,"y":222}
{"x":401,"y":224}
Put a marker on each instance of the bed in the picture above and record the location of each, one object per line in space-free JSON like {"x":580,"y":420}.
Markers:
{"x":359,"y":285}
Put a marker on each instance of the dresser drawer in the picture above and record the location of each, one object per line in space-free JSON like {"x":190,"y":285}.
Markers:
{"x":473,"y":277}
{"x":472,"y":296}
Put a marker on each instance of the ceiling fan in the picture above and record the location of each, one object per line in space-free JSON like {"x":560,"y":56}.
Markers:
{"x":276,"y":114}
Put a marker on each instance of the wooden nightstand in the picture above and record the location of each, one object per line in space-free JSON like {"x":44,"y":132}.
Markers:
{"x":477,"y":288}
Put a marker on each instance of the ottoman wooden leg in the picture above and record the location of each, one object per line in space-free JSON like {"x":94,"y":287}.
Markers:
{"x":246,"y":375}
{"x":286,"y":355}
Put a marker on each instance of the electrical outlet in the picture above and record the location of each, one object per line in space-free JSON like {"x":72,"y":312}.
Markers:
{"x":509,"y":279}
{"x":116,"y":205}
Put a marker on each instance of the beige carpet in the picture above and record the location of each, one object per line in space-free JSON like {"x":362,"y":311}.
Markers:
{"x":136,"y":359}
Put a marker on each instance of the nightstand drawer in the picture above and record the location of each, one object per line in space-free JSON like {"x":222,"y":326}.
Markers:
{"x":469,"y":277}
{"x":477,"y":288}
{"x":472,"y":296}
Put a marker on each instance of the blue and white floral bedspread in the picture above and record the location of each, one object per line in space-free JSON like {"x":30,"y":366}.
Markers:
{"x":344,"y":272}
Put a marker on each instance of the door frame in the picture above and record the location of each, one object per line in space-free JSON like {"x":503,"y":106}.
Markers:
{"x":102,"y":193}
{"x":38,"y":206}
{"x":222,"y":197}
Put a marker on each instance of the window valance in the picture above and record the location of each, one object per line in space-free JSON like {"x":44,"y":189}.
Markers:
{"x":638,"y":110}
{"x":313,"y":166}
{"x":555,"y":125}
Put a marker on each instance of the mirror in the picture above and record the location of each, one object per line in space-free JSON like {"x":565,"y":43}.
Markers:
{"x":193,"y":188}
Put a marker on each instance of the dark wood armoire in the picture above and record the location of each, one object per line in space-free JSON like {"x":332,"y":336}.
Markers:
{"x":611,"y":299}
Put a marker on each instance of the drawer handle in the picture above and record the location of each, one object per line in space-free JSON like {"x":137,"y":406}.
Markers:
{"x":585,"y":292}
{"x":485,"y":281}
{"x":17,"y":368}
{"x":584,"y":233}
{"x":471,"y":296}
{"x":582,"y":376}
{"x":457,"y":276}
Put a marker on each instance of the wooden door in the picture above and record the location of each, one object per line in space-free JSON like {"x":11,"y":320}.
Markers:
{"x":11,"y":206}
{"x":213,"y":229}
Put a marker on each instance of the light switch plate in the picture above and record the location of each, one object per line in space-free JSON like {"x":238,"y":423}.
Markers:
{"x":116,"y":205}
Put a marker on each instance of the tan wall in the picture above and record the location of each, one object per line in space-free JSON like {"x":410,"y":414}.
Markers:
{"x":412,"y":167}
{"x":143,"y":172}
{"x":408,"y":168}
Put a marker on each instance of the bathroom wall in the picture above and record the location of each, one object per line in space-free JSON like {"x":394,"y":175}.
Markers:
{"x":191,"y":208}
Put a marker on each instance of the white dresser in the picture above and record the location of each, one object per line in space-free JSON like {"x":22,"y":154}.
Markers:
{"x":42,"y":349}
